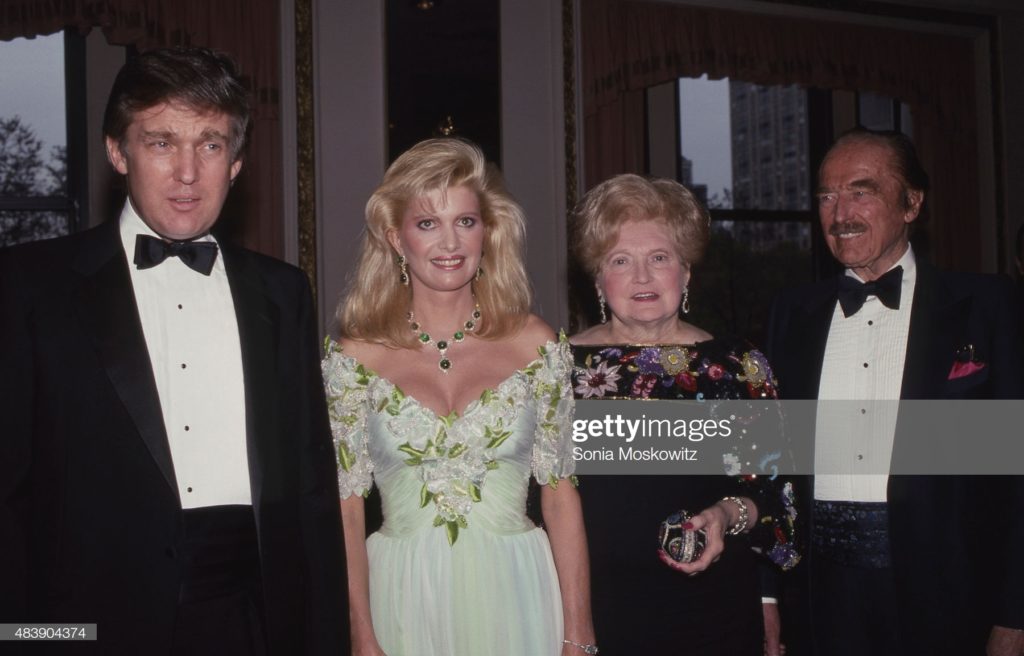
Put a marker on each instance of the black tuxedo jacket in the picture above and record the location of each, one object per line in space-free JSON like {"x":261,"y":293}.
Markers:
{"x":89,"y":509}
{"x":955,"y":540}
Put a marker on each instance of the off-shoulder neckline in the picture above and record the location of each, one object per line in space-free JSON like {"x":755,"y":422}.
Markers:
{"x":454,"y":415}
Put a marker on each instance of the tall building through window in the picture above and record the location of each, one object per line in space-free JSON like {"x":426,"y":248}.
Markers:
{"x":769,"y":136}
{"x":744,"y":152}
{"x":750,"y":154}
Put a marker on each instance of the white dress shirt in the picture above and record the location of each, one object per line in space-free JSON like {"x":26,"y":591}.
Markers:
{"x":864,"y":360}
{"x":191,"y":332}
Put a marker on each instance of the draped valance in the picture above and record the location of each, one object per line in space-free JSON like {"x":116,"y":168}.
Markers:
{"x":627,"y":46}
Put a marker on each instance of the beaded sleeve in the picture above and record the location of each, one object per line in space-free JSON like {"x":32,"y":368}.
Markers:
{"x":774,"y":535}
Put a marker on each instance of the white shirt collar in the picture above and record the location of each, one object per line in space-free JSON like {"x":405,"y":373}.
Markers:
{"x":133,"y":225}
{"x":908,"y":262}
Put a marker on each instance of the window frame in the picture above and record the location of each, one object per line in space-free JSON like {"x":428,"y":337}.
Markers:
{"x":74,"y":202}
{"x":820,"y":134}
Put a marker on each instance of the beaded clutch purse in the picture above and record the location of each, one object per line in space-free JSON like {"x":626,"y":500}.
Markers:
{"x":682,"y":545}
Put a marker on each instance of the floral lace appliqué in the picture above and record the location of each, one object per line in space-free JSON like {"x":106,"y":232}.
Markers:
{"x":451,"y":454}
{"x":345,"y":383}
{"x":552,"y":458}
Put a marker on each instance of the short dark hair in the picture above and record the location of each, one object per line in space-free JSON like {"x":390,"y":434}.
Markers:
{"x":197,"y":78}
{"x":904,"y":154}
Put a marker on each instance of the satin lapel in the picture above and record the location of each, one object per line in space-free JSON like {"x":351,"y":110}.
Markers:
{"x":937,"y":320}
{"x":806,"y":340}
{"x":106,"y":306}
{"x":258,"y":321}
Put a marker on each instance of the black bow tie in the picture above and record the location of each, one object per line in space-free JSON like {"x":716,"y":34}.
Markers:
{"x":197,"y":255}
{"x":853,"y":293}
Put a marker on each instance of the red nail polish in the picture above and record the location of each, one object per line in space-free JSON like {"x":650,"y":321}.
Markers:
{"x":688,"y":526}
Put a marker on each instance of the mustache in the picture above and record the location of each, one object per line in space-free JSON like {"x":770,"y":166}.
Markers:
{"x":846,"y":227}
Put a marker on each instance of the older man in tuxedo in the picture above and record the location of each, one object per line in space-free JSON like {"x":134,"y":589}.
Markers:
{"x":899,"y":564}
{"x":166,"y":469}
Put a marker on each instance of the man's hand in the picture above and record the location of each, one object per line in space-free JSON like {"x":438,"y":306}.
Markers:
{"x":1005,"y":642}
{"x":772,"y":630}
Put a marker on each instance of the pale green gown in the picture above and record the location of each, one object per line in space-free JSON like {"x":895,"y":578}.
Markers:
{"x":457,"y":568}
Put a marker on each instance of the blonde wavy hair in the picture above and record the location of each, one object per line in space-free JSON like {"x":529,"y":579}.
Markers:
{"x":598,"y":218}
{"x":376,"y":303}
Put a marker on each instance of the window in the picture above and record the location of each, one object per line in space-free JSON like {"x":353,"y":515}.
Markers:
{"x":750,"y":152}
{"x":748,"y":148}
{"x":39,"y":148}
{"x":883,"y":113}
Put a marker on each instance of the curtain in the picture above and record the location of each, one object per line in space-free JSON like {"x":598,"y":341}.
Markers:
{"x":629,"y":46}
{"x":247,"y":30}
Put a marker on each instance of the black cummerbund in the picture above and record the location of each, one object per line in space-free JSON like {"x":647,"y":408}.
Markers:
{"x":851,"y":533}
{"x":219,"y":553}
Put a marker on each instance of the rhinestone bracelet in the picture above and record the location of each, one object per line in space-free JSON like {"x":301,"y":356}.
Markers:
{"x":740,"y":525}
{"x":587,"y":649}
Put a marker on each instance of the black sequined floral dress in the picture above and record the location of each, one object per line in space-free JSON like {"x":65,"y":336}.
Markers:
{"x":639,"y":604}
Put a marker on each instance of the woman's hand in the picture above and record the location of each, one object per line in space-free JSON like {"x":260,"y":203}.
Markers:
{"x":715,"y":521}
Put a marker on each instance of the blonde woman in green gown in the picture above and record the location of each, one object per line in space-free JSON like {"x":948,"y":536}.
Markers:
{"x":448,"y":395}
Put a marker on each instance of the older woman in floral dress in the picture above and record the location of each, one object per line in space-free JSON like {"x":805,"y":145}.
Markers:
{"x":638,"y":238}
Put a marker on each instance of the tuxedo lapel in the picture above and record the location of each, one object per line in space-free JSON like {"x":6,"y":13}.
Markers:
{"x":258,"y":321}
{"x":937,"y":320}
{"x":109,"y":315}
{"x":806,"y":338}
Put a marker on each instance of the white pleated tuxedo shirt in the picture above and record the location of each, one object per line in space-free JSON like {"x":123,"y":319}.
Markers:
{"x":191,"y":332}
{"x":864,"y":361}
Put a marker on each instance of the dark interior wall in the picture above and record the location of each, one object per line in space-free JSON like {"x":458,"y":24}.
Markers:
{"x":353,"y":142}
{"x":1011,"y":50}
{"x":443,"y":60}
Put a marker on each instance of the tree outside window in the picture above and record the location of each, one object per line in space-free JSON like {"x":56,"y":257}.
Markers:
{"x":35,"y":198}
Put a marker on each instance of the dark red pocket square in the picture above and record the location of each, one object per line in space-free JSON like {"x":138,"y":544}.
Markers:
{"x":961,"y":369}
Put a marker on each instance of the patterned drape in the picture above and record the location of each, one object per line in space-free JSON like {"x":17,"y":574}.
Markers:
{"x":628,"y":46}
{"x":247,"y":30}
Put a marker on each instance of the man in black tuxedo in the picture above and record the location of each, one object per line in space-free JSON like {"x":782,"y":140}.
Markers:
{"x":166,"y":468}
{"x":899,"y":564}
